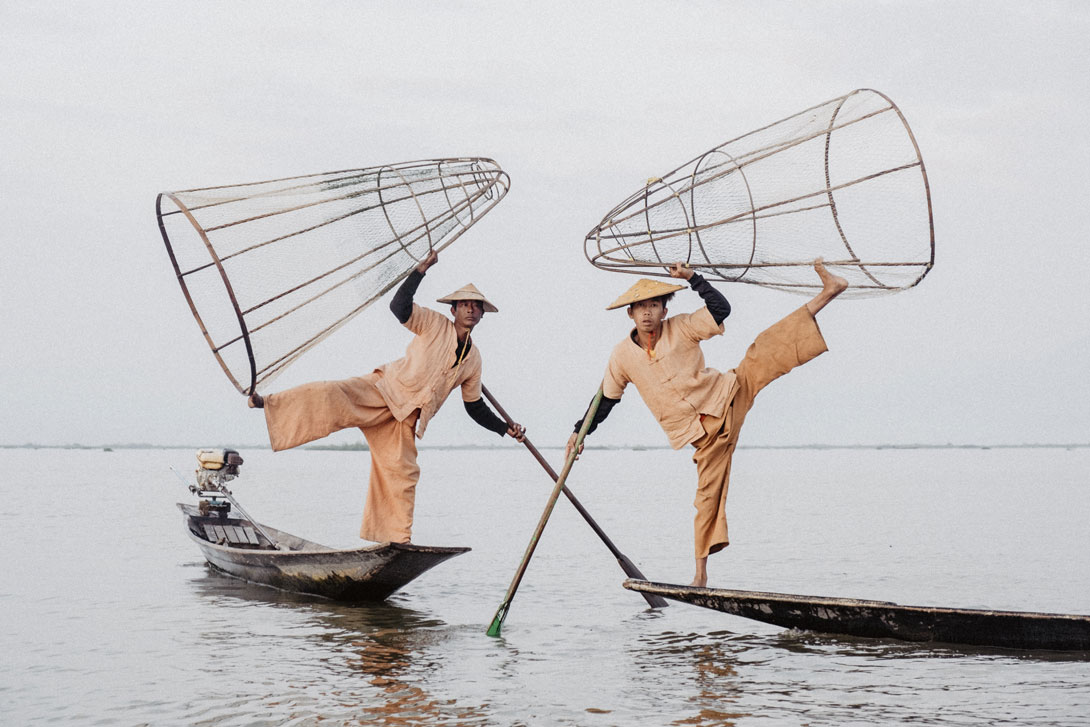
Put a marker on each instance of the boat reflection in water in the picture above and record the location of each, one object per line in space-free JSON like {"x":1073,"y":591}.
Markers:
{"x":373,"y":660}
{"x":706,"y":668}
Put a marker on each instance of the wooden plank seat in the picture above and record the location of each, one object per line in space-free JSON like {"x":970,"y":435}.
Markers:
{"x":231,"y":534}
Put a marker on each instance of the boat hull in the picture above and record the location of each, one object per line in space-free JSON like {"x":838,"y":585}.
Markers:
{"x":361,"y":574}
{"x":883,"y":619}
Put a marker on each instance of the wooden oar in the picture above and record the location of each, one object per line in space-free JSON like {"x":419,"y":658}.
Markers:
{"x":629,"y":568}
{"x":501,"y":612}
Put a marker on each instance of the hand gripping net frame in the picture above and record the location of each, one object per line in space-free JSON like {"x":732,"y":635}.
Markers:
{"x":271,"y":268}
{"x":843,"y":180}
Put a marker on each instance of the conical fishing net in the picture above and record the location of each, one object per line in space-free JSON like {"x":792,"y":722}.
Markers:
{"x":843,"y":180}
{"x":271,"y":268}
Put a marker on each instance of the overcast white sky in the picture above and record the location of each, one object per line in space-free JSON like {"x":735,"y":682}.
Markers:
{"x":103,"y":105}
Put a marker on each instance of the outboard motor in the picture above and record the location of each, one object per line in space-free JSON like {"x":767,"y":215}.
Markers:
{"x":217,"y":468}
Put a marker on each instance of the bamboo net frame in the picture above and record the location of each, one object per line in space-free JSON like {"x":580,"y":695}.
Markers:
{"x":272,"y":268}
{"x":843,"y":180}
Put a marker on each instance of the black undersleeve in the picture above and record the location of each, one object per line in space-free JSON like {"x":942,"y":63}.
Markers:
{"x":604,"y":407}
{"x":401,"y":305}
{"x":481,"y":414}
{"x":715,"y":301}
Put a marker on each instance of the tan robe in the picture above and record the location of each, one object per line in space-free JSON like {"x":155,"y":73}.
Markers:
{"x":391,"y":406}
{"x":710,"y":414}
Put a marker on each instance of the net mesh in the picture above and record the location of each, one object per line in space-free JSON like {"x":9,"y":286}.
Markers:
{"x":272,"y":268}
{"x":843,"y":180}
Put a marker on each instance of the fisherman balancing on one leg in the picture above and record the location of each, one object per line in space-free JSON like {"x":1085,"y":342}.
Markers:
{"x":701,"y":406}
{"x":395,"y":402}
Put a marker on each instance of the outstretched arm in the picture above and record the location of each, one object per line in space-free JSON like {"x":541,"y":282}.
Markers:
{"x":401,"y":305}
{"x":481,"y":414}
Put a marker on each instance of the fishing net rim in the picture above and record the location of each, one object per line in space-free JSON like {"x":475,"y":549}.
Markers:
{"x":602,"y":262}
{"x":749,"y":193}
{"x":227,"y":285}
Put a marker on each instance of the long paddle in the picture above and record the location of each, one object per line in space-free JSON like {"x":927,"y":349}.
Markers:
{"x":501,"y":612}
{"x":629,"y":568}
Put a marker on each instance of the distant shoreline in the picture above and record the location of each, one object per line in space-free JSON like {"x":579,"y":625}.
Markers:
{"x":362,"y":447}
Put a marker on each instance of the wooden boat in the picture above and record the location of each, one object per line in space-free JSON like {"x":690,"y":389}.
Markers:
{"x":883,"y":619}
{"x":240,"y":546}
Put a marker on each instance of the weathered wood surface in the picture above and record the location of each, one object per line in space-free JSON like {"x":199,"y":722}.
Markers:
{"x":361,"y":574}
{"x":883,"y":619}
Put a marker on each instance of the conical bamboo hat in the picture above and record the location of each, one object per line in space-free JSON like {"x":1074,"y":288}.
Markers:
{"x":642,"y":290}
{"x":469,"y":292}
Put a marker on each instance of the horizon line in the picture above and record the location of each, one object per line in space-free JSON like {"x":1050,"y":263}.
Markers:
{"x":362,"y":446}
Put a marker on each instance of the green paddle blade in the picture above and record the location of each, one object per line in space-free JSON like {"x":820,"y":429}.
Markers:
{"x":497,"y":620}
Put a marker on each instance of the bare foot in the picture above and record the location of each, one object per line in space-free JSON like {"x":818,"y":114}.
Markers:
{"x":833,"y":284}
{"x":831,"y":287}
{"x":256,"y":401}
{"x":700,"y":580}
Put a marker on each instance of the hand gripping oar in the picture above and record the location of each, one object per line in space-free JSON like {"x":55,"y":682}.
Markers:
{"x":629,"y":568}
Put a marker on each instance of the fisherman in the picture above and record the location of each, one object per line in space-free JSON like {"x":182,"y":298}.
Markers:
{"x":395,"y":402}
{"x":701,"y":406}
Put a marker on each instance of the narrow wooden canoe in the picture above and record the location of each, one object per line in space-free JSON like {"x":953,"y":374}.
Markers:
{"x":240,"y":548}
{"x":886,"y":620}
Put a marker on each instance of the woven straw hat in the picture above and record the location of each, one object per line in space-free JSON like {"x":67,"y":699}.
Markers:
{"x":469,"y":292}
{"x":642,"y":290}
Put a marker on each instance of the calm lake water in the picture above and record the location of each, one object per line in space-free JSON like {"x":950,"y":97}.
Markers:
{"x":109,"y":616}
